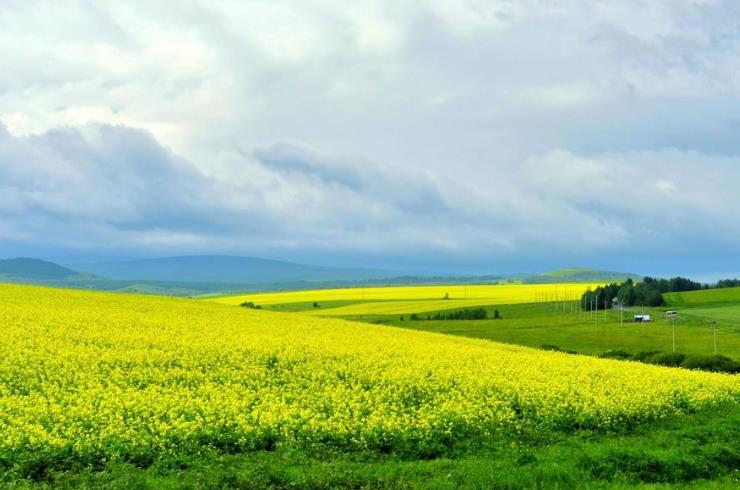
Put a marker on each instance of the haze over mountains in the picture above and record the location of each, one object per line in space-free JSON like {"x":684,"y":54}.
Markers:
{"x":28,"y":268}
{"x":227,"y":269}
{"x":208,"y":274}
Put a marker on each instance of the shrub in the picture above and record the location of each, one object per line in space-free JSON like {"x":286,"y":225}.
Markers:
{"x":673,"y":359}
{"x":551,"y":347}
{"x":466,"y":314}
{"x":646,"y":356}
{"x":616,"y":354}
{"x":711,"y":363}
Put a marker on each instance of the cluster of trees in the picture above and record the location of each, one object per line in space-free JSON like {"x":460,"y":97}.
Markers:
{"x":649,"y":292}
{"x":464,"y":314}
{"x":250,"y":305}
{"x":728,"y":283}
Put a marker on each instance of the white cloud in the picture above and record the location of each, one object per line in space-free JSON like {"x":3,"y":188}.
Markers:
{"x":501,"y":127}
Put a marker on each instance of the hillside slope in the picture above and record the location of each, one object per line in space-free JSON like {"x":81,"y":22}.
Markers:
{"x":226,"y":269}
{"x":28,"y":268}
{"x":703,"y":297}
{"x":581,"y":274}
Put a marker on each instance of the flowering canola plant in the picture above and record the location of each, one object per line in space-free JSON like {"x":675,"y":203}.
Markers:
{"x":411,"y":299}
{"x":100,"y":376}
{"x":493,"y":293}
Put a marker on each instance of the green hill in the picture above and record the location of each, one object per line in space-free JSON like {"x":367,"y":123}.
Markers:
{"x":703,"y":297}
{"x":227,"y":270}
{"x":580,"y":274}
{"x":34,"y":269}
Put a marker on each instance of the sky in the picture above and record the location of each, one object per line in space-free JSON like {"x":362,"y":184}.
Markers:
{"x":473,"y":136}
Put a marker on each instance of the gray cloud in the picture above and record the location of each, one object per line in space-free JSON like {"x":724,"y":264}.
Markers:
{"x":453,"y":129}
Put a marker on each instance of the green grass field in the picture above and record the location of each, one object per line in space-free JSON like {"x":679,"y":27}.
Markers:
{"x":698,"y":451}
{"x":704,"y":297}
{"x":537,"y":324}
{"x":561,"y":324}
{"x":725,"y":315}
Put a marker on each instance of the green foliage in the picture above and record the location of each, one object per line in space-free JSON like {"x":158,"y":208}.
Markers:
{"x":711,"y":363}
{"x":251,"y":305}
{"x":556,"y":348}
{"x":648,"y":293}
{"x":721,"y":364}
{"x":701,"y":449}
{"x":727,"y":283}
{"x":616,"y":354}
{"x":671,"y":359}
{"x":464,"y":314}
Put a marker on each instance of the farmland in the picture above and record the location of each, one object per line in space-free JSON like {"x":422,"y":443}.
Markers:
{"x":704,"y":297}
{"x":475,"y":294}
{"x":109,"y":381}
{"x":535,"y":325}
{"x":531,"y":316}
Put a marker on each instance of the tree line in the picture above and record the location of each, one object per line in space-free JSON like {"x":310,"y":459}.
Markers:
{"x":649,"y":292}
{"x":728,"y":283}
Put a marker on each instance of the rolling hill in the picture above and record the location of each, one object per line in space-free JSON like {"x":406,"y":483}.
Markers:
{"x":24,"y":268}
{"x":227,"y":269}
{"x":703,"y":297}
{"x":580,"y":274}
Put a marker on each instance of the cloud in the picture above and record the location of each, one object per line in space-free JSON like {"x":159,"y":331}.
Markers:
{"x":567,"y":130}
{"x":117,"y":188}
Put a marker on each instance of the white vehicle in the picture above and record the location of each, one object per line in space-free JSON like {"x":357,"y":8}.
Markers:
{"x":642,"y":318}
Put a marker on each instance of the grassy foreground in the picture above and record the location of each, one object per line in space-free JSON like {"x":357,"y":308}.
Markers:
{"x":694,"y":451}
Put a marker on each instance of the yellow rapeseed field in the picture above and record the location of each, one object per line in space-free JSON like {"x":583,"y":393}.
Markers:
{"x":430,"y":298}
{"x":96,"y":376}
{"x":396,"y":307}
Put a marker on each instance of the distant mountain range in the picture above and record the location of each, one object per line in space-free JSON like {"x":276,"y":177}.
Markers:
{"x":580,"y":274}
{"x":207,"y":274}
{"x":228,"y":270}
{"x":28,"y":268}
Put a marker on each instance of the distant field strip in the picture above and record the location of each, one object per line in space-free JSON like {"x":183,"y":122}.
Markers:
{"x":474,"y":294}
{"x":399,"y":307}
{"x":703,"y":297}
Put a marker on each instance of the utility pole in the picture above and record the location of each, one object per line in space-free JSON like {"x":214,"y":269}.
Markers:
{"x":605,"y":306}
{"x":714,"y":335}
{"x":596,"y":312}
{"x":673,"y":321}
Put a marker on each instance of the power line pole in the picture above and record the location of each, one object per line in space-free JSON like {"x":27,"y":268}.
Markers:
{"x":714,"y":335}
{"x":605,"y":306}
{"x":596,"y":312}
{"x":673,"y":322}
